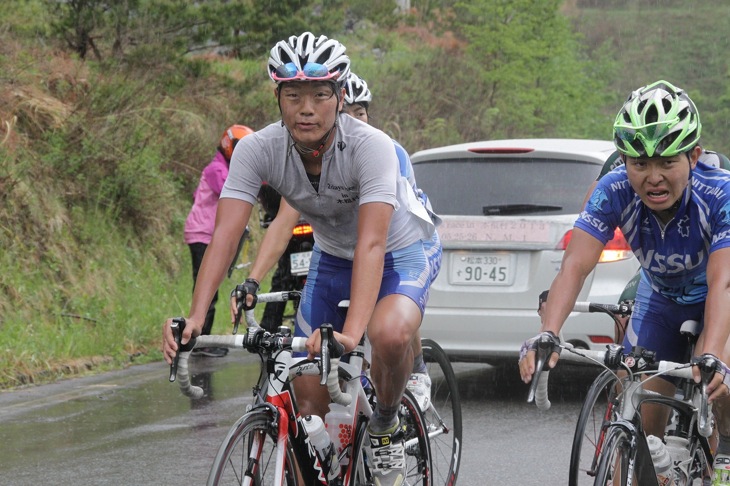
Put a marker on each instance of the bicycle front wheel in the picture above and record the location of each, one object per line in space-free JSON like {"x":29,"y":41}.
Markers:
{"x":443,"y":416}
{"x":598,"y":409}
{"x":247,"y":455}
{"x":700,"y":468}
{"x":615,"y":456}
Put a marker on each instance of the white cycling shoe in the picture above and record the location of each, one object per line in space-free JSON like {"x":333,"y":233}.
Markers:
{"x":387,"y":457}
{"x":419,"y":384}
{"x":721,"y":471}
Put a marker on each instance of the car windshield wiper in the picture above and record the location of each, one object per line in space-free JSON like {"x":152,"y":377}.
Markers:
{"x":507,"y":209}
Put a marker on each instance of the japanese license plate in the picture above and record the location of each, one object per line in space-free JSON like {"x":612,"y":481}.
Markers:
{"x":300,"y":262}
{"x":468,"y":268}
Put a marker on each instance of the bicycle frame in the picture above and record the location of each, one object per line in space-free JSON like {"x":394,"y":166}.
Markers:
{"x":274,"y":408}
{"x":279,"y":397}
{"x":694,"y":411}
{"x":629,"y":419}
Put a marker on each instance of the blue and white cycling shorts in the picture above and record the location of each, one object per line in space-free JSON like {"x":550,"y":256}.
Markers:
{"x":408,"y":271}
{"x":656,"y":321}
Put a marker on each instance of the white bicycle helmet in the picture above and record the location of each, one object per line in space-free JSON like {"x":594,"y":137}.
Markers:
{"x":356,"y":90}
{"x":308,"y":58}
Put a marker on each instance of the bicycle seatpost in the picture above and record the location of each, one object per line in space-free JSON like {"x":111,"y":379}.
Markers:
{"x":543,"y":350}
{"x":177,"y":327}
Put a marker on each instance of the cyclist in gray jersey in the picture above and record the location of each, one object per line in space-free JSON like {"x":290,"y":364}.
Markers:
{"x":342,"y":176}
{"x":357,"y":103}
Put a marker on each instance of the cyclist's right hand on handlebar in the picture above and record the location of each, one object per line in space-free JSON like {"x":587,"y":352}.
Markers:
{"x":528,"y":353}
{"x":709,"y":368}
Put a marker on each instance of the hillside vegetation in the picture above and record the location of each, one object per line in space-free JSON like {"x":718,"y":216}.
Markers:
{"x":110,"y":110}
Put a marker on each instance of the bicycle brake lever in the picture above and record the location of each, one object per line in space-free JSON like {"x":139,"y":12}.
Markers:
{"x":177,"y":327}
{"x":325,"y":333}
{"x":543,"y":350}
{"x":707,"y":366}
{"x":238,"y":294}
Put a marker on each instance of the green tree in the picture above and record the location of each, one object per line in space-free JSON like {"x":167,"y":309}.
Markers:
{"x":530,"y":69}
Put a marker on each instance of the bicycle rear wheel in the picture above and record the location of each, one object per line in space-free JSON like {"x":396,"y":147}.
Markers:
{"x":598,"y":408}
{"x":443,"y":416}
{"x":613,"y":463}
{"x":247,"y":455}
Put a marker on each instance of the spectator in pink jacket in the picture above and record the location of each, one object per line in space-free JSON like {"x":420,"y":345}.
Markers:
{"x":201,"y":219}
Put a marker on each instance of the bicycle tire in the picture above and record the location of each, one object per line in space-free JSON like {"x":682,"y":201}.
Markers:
{"x":443,"y":416}
{"x":232,"y":459}
{"x":597,"y":410}
{"x":614,"y":458}
{"x":418,"y":455}
{"x":360,"y":475}
{"x":702,"y":461}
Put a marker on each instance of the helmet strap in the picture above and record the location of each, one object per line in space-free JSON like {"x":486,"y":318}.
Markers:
{"x":304,"y":150}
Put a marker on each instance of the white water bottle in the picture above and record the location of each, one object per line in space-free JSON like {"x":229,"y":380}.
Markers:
{"x":321,"y":441}
{"x":678,"y":448}
{"x":339,"y":427}
{"x":663,"y":465}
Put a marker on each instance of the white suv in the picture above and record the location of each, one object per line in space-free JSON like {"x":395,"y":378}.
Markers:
{"x":508,"y":208}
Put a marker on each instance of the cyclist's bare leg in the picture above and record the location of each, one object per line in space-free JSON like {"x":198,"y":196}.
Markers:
{"x":654,"y":417}
{"x":392,"y":328}
{"x":416,"y":343}
{"x":312,"y":398}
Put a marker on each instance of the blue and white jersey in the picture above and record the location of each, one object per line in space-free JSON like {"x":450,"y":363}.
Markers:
{"x":673,"y":257}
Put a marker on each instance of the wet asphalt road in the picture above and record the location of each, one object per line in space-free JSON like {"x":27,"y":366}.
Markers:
{"x":133,"y":427}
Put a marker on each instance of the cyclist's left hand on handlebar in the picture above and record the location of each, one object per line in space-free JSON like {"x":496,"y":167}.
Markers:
{"x":527,"y":355}
{"x":243,"y":297}
{"x":314,"y":343}
{"x":720,"y":384}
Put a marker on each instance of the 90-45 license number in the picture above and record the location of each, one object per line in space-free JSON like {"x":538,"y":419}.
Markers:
{"x":482,"y":269}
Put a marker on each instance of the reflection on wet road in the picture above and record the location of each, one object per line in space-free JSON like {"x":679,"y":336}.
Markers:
{"x":134,"y":427}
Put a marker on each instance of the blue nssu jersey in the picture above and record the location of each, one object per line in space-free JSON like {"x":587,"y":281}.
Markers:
{"x":674,"y":256}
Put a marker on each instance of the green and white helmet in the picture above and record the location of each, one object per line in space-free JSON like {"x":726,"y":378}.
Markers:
{"x":658,"y":120}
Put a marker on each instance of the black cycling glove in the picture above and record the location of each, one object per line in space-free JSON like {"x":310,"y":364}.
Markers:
{"x":249,"y":287}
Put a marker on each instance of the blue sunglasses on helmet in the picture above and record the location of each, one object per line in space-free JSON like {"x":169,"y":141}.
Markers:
{"x":311,"y":71}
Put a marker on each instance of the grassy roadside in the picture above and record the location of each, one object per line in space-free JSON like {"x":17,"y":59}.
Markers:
{"x":116,"y":326}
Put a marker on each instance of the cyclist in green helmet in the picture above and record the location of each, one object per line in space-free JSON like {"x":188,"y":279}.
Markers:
{"x":675,"y":214}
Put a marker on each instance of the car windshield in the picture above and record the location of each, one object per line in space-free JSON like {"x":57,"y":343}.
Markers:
{"x":495,"y":186}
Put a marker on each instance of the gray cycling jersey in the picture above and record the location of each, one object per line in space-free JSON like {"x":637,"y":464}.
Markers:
{"x":360,"y":167}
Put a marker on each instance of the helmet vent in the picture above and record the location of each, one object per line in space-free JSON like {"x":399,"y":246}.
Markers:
{"x":652,"y":115}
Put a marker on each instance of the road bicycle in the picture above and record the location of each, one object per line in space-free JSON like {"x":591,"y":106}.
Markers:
{"x":621,"y":453}
{"x":265,"y":444}
{"x":597,"y":406}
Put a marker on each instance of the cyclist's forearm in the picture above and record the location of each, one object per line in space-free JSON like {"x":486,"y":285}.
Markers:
{"x":717,"y":306}
{"x":562,"y":297}
{"x":271,"y":249}
{"x":367,"y":276}
{"x":275,"y":241}
{"x":231,"y":219}
{"x":215,"y":263}
{"x":579,"y":260}
{"x":367,"y":268}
